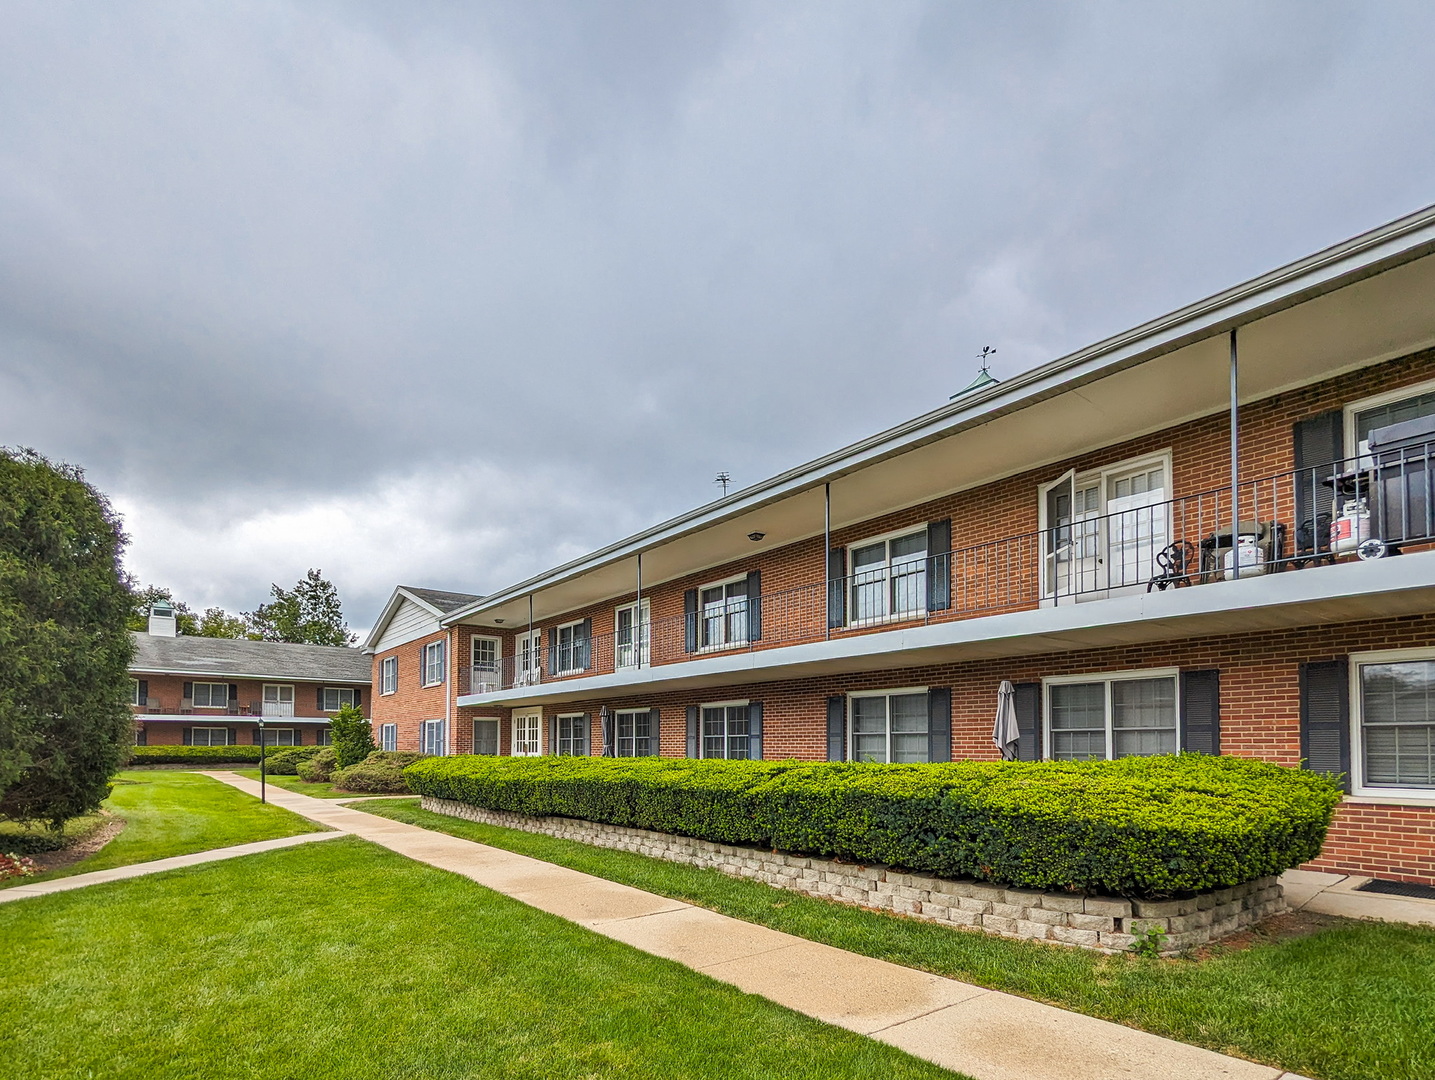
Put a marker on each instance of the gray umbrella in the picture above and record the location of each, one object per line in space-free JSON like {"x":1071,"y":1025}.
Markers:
{"x":606,"y":719}
{"x":1005,"y":732}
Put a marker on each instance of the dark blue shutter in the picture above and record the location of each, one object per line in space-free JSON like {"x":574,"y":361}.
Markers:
{"x":319,"y":692}
{"x":580,"y":746}
{"x":553,"y":651}
{"x":690,"y":621}
{"x":187,"y":735}
{"x":258,"y":733}
{"x":1325,"y":719}
{"x":939,"y":565}
{"x":553,"y":734}
{"x":144,"y":693}
{"x":585,"y":651}
{"x":1027,"y":701}
{"x":754,"y":730}
{"x":837,"y":728}
{"x":233,"y":694}
{"x":189,"y":690}
{"x":231,"y":737}
{"x":836,"y":588}
{"x":655,"y":744}
{"x":358,"y":698}
{"x":1319,"y":443}
{"x":694,"y":732}
{"x":754,"y":605}
{"x":1201,"y":711}
{"x":939,"y":724}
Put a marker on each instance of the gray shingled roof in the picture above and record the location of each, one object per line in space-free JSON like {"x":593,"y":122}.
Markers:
{"x":444,"y":601}
{"x":257,"y":659}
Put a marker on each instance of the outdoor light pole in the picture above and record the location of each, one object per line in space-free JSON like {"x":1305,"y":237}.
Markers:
{"x":262,"y":791}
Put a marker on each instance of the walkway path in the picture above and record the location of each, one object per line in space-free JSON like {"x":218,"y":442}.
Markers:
{"x":120,"y":873}
{"x":984,"y":1033}
{"x":1335,"y":894}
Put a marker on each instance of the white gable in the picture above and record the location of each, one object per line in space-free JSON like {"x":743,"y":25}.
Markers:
{"x":409,"y":622}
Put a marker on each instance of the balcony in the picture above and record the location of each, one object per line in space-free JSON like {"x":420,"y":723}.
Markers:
{"x":1362,"y":510}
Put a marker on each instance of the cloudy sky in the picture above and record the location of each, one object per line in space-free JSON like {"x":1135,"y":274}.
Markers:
{"x":445,"y":293}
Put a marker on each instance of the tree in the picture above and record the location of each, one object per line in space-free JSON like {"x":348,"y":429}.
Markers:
{"x":184,"y":617}
{"x":216,"y":622}
{"x":352,"y":736}
{"x":65,"y":723}
{"x":308,"y":614}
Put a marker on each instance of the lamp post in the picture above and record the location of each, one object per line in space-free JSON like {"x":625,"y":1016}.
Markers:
{"x":262,"y":747}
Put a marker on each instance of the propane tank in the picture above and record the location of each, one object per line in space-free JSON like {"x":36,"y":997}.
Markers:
{"x":1248,"y":555}
{"x":1351,"y":529}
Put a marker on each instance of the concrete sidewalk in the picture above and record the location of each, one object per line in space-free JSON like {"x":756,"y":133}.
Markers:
{"x":1336,"y":894}
{"x":984,"y":1033}
{"x":120,"y":873}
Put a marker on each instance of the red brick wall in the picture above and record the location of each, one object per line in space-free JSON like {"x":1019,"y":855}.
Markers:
{"x":171,"y":732}
{"x":413,"y":702}
{"x":166,"y":694}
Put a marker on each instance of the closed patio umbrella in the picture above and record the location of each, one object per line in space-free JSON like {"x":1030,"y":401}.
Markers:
{"x":606,"y":719}
{"x":1005,"y":732}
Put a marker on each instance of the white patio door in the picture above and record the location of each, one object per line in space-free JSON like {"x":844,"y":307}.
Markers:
{"x":278,"y":699}
{"x":1137,"y":526}
{"x":1071,"y":540}
{"x":1102,"y":530}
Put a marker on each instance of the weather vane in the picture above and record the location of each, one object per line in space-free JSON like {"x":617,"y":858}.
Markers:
{"x":986,"y":355}
{"x":724,"y":479}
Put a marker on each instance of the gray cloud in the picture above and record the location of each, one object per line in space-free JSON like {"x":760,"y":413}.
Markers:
{"x":445,"y":293}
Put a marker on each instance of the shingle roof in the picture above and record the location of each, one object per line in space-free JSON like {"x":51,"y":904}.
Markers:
{"x":444,"y":601}
{"x":249,"y":659}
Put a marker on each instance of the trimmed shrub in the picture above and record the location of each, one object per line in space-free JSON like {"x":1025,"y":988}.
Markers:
{"x":318,"y":768}
{"x":1143,"y":827}
{"x":284,"y":760}
{"x":194,"y":755}
{"x":381,"y":773}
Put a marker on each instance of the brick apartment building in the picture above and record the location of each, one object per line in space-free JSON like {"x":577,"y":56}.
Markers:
{"x":1071,"y":531}
{"x":199,"y":691}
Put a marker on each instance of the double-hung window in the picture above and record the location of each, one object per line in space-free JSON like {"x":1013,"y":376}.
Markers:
{"x":633,"y":733}
{"x":633,"y":634}
{"x":486,"y":676}
{"x":890,"y":726}
{"x":431,"y":740}
{"x":1131,"y":714}
{"x":572,"y":734}
{"x":571,"y":644}
{"x":389,"y":675}
{"x":135,"y":692}
{"x":433,"y":658}
{"x":722,"y":619}
{"x":889,"y":578}
{"x":1394,"y":696}
{"x":485,"y":735}
{"x":284,"y":736}
{"x":725,"y":730}
{"x":336,"y":697}
{"x":527,"y":734}
{"x":209,"y":736}
{"x":211,"y":695}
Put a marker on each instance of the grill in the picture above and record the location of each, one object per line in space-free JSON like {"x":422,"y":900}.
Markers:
{"x":1398,"y":888}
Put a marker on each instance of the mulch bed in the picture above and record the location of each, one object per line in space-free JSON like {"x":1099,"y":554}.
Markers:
{"x":82,"y":848}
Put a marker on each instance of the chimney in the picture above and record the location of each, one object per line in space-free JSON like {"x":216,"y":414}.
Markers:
{"x":162,"y":622}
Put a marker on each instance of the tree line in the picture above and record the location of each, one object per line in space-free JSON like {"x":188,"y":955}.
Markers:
{"x":308,"y":614}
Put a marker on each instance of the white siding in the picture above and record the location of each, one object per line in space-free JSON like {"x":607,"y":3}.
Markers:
{"x":410,"y":622}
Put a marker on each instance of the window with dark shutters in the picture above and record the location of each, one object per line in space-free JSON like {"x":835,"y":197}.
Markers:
{"x":1201,"y":712}
{"x":754,"y":730}
{"x":690,"y":621}
{"x":1027,"y":701}
{"x":836,"y":588}
{"x":1319,"y":443}
{"x":1325,"y":718}
{"x":655,"y":743}
{"x":693,"y":723}
{"x":837,"y":728}
{"x":939,"y":724}
{"x":754,"y":606}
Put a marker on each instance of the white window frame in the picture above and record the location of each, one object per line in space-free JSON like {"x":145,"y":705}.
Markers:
{"x":898,"y":692}
{"x":264,"y":701}
{"x":338,"y":692}
{"x":1358,"y":786}
{"x":531,"y":746}
{"x":1389,"y":397}
{"x":135,"y":693}
{"x":478,"y":678}
{"x":889,"y":616}
{"x":641,"y":654}
{"x":617,"y":732}
{"x":270,"y":736}
{"x":1107,"y":678}
{"x":727,"y":738}
{"x":528,"y":657}
{"x":1101,"y":475}
{"x":323,"y":737}
{"x":389,"y":675}
{"x":192,"y":731}
{"x":433,"y":648}
{"x":389,"y":737}
{"x":727,"y":614}
{"x":194,"y":700}
{"x":573,"y":628}
{"x":558,"y":747}
{"x":440,"y":740}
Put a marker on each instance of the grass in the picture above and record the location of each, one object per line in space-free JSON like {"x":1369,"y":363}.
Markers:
{"x":323,"y":790}
{"x":13,"y":834}
{"x":1352,"y":1002}
{"x":174,"y":813}
{"x":343,"y":959}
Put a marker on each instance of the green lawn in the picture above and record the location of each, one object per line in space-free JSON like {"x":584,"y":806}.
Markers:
{"x":342,"y":959}
{"x":293,"y":783}
{"x":168,"y":812}
{"x":1353,"y":1002}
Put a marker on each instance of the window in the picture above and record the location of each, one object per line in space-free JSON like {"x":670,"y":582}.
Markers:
{"x":433,"y":663}
{"x":209,"y":736}
{"x":278,"y":699}
{"x":723,"y":614}
{"x":389,"y":675}
{"x":323,"y":737}
{"x":633,"y":633}
{"x":527,"y":734}
{"x":1364,"y":416}
{"x":283,"y":736}
{"x":1111,"y":716}
{"x":889,"y":577}
{"x":336,"y":697}
{"x":141,"y":739}
{"x":486,"y":675}
{"x":431,"y":740}
{"x":633,"y":730}
{"x":1395,"y":729}
{"x":485,"y":736}
{"x":211,"y":695}
{"x":530,"y":650}
{"x":389,"y":737}
{"x":890,"y":726}
{"x":135,"y":698}
{"x":725,"y":730}
{"x":572,"y":644}
{"x":572,"y":735}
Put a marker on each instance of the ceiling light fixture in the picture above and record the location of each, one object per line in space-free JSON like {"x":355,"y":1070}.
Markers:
{"x":756,"y":536}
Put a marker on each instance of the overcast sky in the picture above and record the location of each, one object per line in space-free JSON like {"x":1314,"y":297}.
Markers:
{"x":446,"y":293}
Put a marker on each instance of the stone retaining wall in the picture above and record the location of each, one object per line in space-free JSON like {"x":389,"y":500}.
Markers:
{"x":1103,"y":923}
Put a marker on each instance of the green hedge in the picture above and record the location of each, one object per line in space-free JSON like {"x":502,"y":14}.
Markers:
{"x":195,"y":755}
{"x":381,"y":773}
{"x":1145,"y":827}
{"x":284,"y":760}
{"x":318,"y":769}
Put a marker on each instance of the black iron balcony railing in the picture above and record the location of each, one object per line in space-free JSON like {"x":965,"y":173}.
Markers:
{"x":1375,"y":506}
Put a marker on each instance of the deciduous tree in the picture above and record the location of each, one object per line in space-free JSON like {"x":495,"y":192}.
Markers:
{"x":308,"y":614}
